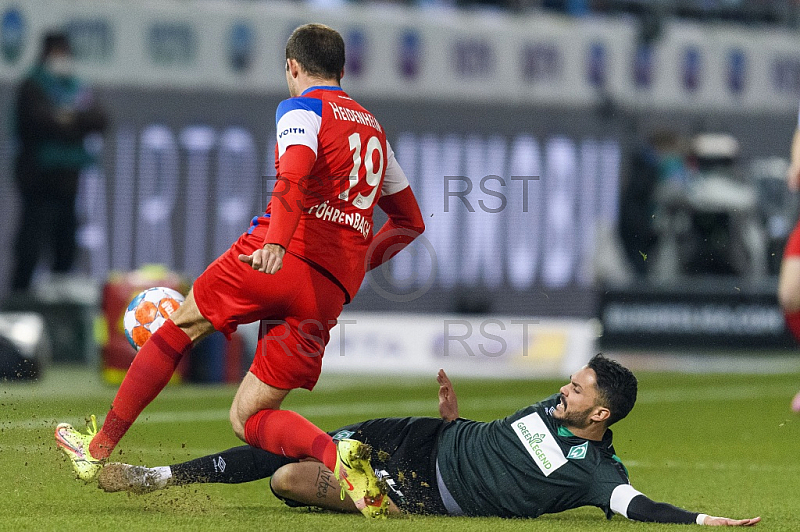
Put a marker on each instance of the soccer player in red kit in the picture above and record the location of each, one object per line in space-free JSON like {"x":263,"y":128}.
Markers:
{"x":789,"y":277}
{"x":295,"y":268}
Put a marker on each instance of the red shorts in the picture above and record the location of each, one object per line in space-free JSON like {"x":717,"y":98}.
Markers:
{"x":792,"y":248}
{"x":297,"y":307}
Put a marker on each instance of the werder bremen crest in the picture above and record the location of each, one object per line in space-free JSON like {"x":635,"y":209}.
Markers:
{"x":578,"y":452}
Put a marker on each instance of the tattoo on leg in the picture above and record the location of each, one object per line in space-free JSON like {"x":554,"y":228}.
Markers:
{"x":325,"y":481}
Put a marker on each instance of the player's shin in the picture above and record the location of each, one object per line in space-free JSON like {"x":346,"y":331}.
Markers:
{"x":149,"y":373}
{"x":240,"y":464}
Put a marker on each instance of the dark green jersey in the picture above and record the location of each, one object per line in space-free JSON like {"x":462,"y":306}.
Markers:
{"x":526,"y":465}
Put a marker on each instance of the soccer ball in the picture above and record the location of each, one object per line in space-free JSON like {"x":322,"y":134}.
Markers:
{"x":147,"y":312}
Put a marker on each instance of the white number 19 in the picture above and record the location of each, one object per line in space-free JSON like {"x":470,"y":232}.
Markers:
{"x":372,"y":174}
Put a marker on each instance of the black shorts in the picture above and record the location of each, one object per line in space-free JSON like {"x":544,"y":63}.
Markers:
{"x":404,"y":455}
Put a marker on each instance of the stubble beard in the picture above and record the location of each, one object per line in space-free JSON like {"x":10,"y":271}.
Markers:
{"x":578,"y":420}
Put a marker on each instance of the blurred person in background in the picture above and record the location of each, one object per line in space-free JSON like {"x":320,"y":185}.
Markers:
{"x":789,"y":276}
{"x":55,"y":112}
{"x":658,"y":164}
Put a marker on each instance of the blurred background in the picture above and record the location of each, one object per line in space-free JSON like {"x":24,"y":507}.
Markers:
{"x":594,"y":174}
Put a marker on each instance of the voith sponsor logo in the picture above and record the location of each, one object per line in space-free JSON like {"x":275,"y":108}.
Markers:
{"x":540,"y":444}
{"x":292,"y":131}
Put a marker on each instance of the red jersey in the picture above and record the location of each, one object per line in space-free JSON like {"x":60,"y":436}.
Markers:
{"x":354,"y":166}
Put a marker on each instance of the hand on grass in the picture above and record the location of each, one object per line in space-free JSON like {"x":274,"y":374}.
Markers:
{"x":724,"y":521}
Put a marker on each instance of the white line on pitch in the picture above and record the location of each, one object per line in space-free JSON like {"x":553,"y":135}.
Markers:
{"x":428,"y":406}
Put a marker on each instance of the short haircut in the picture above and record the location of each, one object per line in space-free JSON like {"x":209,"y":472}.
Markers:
{"x":54,"y":41}
{"x":319,"y":50}
{"x":616,"y":386}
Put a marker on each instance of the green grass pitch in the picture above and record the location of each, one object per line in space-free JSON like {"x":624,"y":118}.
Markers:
{"x":720,"y":444}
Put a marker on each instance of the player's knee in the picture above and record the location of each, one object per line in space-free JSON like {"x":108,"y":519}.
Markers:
{"x":237,"y":423}
{"x":789,"y":298}
{"x":189,"y":319}
{"x":789,"y":285}
{"x":282,"y":481}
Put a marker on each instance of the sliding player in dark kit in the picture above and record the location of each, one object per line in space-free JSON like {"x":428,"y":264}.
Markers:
{"x":552,"y":456}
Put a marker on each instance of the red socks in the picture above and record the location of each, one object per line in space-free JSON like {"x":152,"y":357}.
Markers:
{"x":150,"y":371}
{"x":281,"y":432}
{"x":287,"y":433}
{"x":793,"y":323}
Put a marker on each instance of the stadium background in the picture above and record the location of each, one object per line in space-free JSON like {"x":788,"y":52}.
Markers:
{"x":565,"y":90}
{"x":465,"y":93}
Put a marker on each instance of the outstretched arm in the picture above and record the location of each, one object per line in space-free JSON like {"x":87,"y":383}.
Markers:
{"x":644,"y":509}
{"x":625,"y":500}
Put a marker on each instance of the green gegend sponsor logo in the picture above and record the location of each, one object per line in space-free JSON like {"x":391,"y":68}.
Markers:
{"x":533,"y":441}
{"x":540,"y":443}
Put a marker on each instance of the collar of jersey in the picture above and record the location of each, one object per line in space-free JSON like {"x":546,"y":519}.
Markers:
{"x":564,"y":432}
{"x":322,"y":88}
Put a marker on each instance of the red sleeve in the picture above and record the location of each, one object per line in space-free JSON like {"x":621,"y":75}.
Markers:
{"x":286,"y":204}
{"x":403,"y":226}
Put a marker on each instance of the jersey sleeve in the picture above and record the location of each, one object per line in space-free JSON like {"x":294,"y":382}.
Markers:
{"x":610,"y":488}
{"x":298,"y":121}
{"x":395,"y":179}
{"x":621,"y":498}
{"x":286,"y":205}
{"x":635,"y":506}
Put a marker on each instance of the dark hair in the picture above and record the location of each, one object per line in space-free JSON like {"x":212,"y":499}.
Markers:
{"x":319,"y":50}
{"x":52,"y":41}
{"x":616,"y":386}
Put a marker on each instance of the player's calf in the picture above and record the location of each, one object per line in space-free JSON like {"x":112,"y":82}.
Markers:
{"x":310,"y":483}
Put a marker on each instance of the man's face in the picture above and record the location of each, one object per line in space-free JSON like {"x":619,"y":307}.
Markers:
{"x":60,"y":62}
{"x":578,"y":399}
